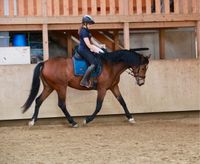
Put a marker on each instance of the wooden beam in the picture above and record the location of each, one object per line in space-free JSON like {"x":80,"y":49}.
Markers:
{"x":126,"y":36}
{"x":162,"y":43}
{"x":101,"y":19}
{"x":45,"y":41}
{"x":22,"y":27}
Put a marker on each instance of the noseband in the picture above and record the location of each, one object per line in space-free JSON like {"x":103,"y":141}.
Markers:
{"x":135,"y":74}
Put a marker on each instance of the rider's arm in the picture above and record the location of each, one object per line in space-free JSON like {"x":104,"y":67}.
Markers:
{"x":89,"y":45}
{"x":97,"y":44}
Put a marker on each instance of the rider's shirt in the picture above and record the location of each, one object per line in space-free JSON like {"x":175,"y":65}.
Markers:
{"x":84,"y":33}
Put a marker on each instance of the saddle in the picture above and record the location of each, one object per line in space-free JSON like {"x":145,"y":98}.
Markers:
{"x":80,"y":66}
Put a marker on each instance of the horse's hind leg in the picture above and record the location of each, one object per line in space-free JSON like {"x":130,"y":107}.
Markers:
{"x":61,"y":103}
{"x":115,"y":90}
{"x":38,"y":102}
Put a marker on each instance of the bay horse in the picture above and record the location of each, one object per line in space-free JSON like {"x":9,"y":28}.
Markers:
{"x":58,"y":73}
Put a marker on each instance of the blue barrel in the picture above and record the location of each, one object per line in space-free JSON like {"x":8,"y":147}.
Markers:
{"x":19,"y":40}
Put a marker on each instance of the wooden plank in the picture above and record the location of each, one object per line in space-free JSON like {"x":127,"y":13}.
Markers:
{"x":126,"y":6}
{"x":112,"y":7}
{"x":30,"y":8}
{"x":94,"y":7}
{"x":176,"y":7}
{"x":167,"y":8}
{"x":139,"y":7}
{"x":148,"y":6}
{"x":39,"y":8}
{"x":185,"y":6}
{"x":75,"y":7}
{"x":23,"y":27}
{"x":56,"y":7}
{"x":194,"y":6}
{"x":121,"y":7}
{"x":102,"y":7}
{"x":20,"y":7}
{"x":130,"y":6}
{"x":11,"y":7}
{"x":84,"y":7}
{"x":126,"y":36}
{"x":49,"y":8}
{"x":65,"y":7}
{"x":158,"y":6}
{"x":162,"y":43}
{"x":2,"y":8}
{"x":45,"y":41}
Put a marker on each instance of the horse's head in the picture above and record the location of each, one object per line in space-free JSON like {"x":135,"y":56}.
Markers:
{"x":139,"y":72}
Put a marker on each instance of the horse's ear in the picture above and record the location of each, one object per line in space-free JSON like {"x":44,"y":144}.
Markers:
{"x":148,"y":56}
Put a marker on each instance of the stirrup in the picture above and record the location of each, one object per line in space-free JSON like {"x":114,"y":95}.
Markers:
{"x":87,"y":86}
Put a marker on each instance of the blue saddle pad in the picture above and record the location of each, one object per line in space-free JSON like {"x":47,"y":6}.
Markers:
{"x":80,"y":67}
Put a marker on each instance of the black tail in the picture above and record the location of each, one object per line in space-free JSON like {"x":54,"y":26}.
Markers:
{"x":34,"y":88}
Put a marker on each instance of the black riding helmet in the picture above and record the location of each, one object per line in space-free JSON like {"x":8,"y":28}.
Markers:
{"x":87,"y":19}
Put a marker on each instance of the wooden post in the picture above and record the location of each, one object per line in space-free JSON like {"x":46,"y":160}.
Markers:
{"x":126,"y":36}
{"x":198,"y":39}
{"x":116,"y":39}
{"x":69,"y":44}
{"x":162,"y":43}
{"x":45,"y":41}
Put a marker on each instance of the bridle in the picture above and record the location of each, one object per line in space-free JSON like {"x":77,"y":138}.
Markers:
{"x":135,"y":74}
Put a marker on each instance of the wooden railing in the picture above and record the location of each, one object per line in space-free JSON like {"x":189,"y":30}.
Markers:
{"x":30,"y":8}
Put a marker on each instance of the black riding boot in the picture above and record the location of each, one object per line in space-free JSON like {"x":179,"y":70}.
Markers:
{"x":85,"y":80}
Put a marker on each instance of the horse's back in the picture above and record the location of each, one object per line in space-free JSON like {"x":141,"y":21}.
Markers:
{"x":56,"y":68}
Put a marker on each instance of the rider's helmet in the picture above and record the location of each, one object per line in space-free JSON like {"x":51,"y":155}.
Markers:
{"x":87,"y":20}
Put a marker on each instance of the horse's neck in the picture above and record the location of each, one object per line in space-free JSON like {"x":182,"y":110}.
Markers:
{"x":119,"y":68}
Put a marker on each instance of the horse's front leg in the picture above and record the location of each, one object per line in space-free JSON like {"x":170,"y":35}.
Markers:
{"x":115,"y":90}
{"x":100,"y":98}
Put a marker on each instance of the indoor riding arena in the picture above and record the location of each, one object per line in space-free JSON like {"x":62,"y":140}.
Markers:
{"x":165,"y":127}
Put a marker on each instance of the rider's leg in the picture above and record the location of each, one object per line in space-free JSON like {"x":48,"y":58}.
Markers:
{"x":86,"y":78}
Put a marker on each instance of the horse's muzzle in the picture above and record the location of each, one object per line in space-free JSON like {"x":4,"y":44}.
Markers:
{"x":140,"y":81}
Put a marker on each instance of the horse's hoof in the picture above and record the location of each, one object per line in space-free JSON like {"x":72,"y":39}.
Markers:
{"x":84,"y":122}
{"x":31,"y":123}
{"x":131,"y":120}
{"x":75,"y":125}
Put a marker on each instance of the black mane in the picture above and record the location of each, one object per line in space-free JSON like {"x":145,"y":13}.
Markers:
{"x":125,"y":56}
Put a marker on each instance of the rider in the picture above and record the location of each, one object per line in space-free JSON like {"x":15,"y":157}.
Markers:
{"x":87,"y":49}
